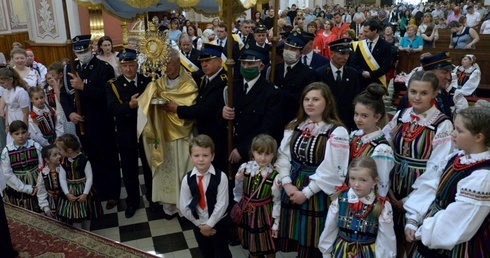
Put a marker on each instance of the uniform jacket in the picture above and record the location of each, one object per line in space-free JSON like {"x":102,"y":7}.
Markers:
{"x":291,"y":86}
{"x":119,"y":93}
{"x":258,"y":111}
{"x":193,"y":57}
{"x":344,"y":94}
{"x":93,"y":98}
{"x":317,"y":61}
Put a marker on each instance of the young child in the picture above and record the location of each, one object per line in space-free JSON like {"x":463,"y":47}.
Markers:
{"x":448,"y":215}
{"x":358,"y":223}
{"x":56,"y":82}
{"x":15,"y":98}
{"x":44,"y":122}
{"x":21,"y":161}
{"x":255,"y":185}
{"x":48,"y":181}
{"x":369,"y":140}
{"x":421,"y":138}
{"x":81,"y":203}
{"x":204,"y":199}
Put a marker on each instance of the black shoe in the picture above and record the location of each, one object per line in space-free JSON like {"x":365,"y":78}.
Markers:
{"x":130,"y":211}
{"x":154,"y":206}
{"x":170,"y":217}
{"x":234,"y":242}
{"x":111,"y":204}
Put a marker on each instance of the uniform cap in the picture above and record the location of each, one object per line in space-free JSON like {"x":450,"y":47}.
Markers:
{"x":209,"y":51}
{"x":81,"y":43}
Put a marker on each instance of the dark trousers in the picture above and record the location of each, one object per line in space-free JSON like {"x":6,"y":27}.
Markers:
{"x":215,"y":246}
{"x":101,"y":151}
{"x":6,"y":248}
{"x":129,"y":150}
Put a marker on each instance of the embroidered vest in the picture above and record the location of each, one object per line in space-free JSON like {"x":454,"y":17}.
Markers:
{"x":358,"y":149}
{"x":309,"y":150}
{"x":24,"y":159}
{"x":76,"y":168}
{"x":354,"y":228}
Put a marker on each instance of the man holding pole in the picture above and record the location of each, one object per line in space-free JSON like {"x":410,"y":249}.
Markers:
{"x":87,"y":108}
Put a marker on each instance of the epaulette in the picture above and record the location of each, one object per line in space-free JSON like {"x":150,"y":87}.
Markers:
{"x":112,"y":80}
{"x":224,"y":77}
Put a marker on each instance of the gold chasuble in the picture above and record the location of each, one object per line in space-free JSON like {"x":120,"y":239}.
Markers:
{"x":165,"y":135}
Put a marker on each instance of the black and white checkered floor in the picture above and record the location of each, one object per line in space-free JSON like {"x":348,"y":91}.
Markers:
{"x":150,"y":232}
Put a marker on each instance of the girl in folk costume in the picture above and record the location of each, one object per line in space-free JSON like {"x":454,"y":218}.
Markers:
{"x":21,"y":160}
{"x":15,"y":98}
{"x":312,"y":160}
{"x":369,"y":140}
{"x":48,"y":181}
{"x":449,"y":214}
{"x":359,"y":221}
{"x":257,"y":189}
{"x":81,"y":203}
{"x":421,"y":138}
{"x":468,"y":74}
{"x":44,"y":122}
{"x":55,"y":82}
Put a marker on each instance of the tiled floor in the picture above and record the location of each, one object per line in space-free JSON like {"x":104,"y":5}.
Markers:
{"x":148,"y":231}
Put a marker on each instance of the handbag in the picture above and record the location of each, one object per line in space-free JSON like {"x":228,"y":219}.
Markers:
{"x":236,"y":212}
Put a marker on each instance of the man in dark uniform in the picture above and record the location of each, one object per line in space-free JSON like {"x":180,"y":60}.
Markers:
{"x":343,"y":80}
{"x":207,"y":109}
{"x":122,"y":102}
{"x":89,"y":80}
{"x":257,"y":105}
{"x":292,"y":76}
{"x":260,"y":36}
{"x":309,"y":57}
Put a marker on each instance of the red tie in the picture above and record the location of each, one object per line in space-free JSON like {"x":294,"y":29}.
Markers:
{"x":202,"y":201}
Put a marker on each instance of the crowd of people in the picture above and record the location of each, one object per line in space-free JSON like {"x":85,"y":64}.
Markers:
{"x":318,"y":166}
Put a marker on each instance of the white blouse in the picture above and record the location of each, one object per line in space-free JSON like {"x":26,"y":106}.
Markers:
{"x":333,"y":169}
{"x":472,"y":83}
{"x":461,"y":219}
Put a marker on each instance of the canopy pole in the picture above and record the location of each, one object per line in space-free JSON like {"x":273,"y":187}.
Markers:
{"x":275,"y":39}
{"x":229,"y":64}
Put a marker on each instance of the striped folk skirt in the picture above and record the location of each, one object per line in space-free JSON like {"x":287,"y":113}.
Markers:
{"x":24,"y":200}
{"x":77,"y":211}
{"x":300,"y":226}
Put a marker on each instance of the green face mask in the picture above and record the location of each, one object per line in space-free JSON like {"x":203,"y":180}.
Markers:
{"x":250,"y":72}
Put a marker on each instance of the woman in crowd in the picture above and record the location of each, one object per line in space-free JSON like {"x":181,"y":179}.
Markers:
{"x":258,"y":18}
{"x":192,"y":32}
{"x":106,"y":53}
{"x":430,"y":36}
{"x":321,"y":40}
{"x":389,"y":36}
{"x":468,"y":74}
{"x":405,"y":17}
{"x":174,"y":32}
{"x":411,"y":43}
{"x":462,"y":37}
{"x":312,"y":161}
{"x":427,"y":22}
{"x":29,"y":75}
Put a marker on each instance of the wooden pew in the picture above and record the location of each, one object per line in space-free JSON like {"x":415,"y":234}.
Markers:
{"x":406,"y":62}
